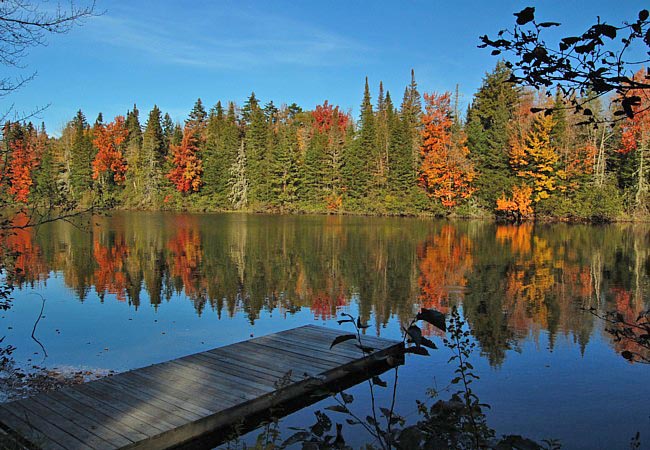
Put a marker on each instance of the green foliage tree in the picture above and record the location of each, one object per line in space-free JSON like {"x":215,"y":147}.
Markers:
{"x":493,"y":107}
{"x":82,"y":154}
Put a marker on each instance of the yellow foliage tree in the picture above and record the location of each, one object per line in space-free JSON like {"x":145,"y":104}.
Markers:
{"x":535,"y":159}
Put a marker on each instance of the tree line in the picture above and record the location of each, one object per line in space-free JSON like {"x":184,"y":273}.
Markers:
{"x":515,"y":153}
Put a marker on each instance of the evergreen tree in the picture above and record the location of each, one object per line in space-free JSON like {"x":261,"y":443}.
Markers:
{"x":81,"y":157}
{"x":285,"y":177}
{"x":133,"y":149}
{"x":358,"y":156}
{"x":493,"y":107}
{"x":153,"y":156}
{"x":221,"y":146}
{"x":383,"y":139}
{"x":168,"y":130}
{"x":257,"y":152}
{"x":411,"y":110}
{"x":197,"y":119}
{"x":401,"y":178}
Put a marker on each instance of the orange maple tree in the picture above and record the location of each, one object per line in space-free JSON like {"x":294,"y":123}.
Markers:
{"x":446,"y":172}
{"x":109,"y":158}
{"x":519,"y":206}
{"x":22,"y":163}
{"x":187,"y":165}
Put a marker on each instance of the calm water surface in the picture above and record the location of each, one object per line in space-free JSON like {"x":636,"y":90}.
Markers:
{"x":140,"y":288}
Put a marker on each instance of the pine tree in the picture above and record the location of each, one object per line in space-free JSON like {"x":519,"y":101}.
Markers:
{"x":168,"y":130}
{"x":493,"y":107}
{"x":257,"y":153}
{"x":196,"y":120}
{"x":133,"y":149}
{"x":285,"y":177}
{"x":383,"y":140}
{"x":154,"y":154}
{"x":401,"y":179}
{"x":81,"y":157}
{"x":358,"y":156}
{"x":411,"y":110}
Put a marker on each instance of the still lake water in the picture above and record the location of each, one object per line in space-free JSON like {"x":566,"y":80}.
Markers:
{"x":134,"y":289}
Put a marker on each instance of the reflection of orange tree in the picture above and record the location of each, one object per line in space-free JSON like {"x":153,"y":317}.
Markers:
{"x":444,"y":260}
{"x":19,"y":249}
{"x":629,"y":310}
{"x":109,"y":274}
{"x":186,"y":258}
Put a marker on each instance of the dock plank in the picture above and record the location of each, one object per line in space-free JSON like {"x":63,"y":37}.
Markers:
{"x":175,"y":402}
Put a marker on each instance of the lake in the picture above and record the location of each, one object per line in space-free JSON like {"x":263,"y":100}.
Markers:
{"x":132,"y":289}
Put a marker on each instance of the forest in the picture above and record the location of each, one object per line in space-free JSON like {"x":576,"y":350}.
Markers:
{"x":515,"y":153}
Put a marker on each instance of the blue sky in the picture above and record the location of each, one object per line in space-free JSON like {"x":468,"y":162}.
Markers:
{"x":170,"y":53}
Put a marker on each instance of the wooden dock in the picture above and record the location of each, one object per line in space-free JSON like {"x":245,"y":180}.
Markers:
{"x":175,"y":402}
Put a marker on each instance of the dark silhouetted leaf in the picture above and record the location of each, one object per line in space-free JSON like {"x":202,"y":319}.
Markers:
{"x":587,"y":112}
{"x":549,"y":24}
{"x":415,"y":334}
{"x":361,"y":325}
{"x":347,"y":398}
{"x":378,"y":381}
{"x":643,"y":15}
{"x":428,"y":343}
{"x":525,"y":15}
{"x":627,"y":355}
{"x":295,"y":438}
{"x":343,"y":338}
{"x":605,"y":30}
{"x":435,"y":318}
{"x":338,"y":408}
{"x":536,"y":110}
{"x":417,"y":351}
{"x":495,"y":52}
{"x":344,"y":321}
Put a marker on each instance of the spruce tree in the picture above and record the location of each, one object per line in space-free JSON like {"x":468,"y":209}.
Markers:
{"x":492,"y":108}
{"x":81,"y":157}
{"x":358,"y":155}
{"x":153,"y":156}
{"x":411,"y":110}
{"x":196,"y":120}
{"x":257,"y":152}
{"x":133,"y":148}
{"x":284,"y":170}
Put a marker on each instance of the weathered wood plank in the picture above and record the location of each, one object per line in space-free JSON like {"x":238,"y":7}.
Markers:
{"x":85,"y":418}
{"x":172,"y":403}
{"x":19,"y":424}
{"x":62,"y":431}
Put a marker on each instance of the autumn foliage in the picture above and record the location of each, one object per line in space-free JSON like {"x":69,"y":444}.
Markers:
{"x":517,"y":207}
{"x":535,"y":159}
{"x":446,"y":171}
{"x":187,"y":166}
{"x":23,"y":162}
{"x":109,"y":158}
{"x":327,"y":116}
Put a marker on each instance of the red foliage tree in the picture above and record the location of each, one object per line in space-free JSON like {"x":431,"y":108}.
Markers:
{"x":326,"y":116}
{"x":446,"y":171}
{"x":23,"y":161}
{"x":187,"y":165}
{"x":109,"y":158}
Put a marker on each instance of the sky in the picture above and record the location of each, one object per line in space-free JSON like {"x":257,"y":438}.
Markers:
{"x":170,"y":53}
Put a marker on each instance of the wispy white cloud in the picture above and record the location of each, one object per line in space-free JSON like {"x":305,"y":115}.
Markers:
{"x":227,"y":40}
